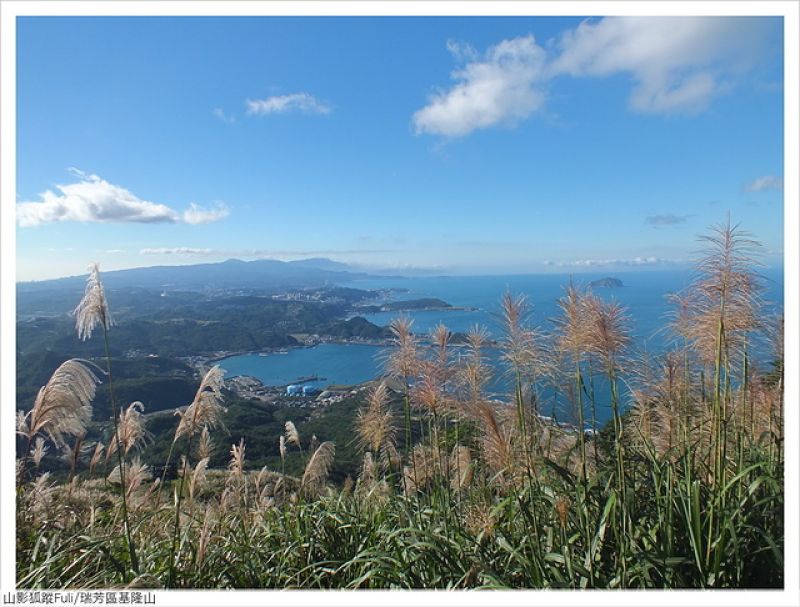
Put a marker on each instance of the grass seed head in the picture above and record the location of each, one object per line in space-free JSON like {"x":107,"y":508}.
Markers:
{"x":93,"y":308}
{"x":63,"y":406}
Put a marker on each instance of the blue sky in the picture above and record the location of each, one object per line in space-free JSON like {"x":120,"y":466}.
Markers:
{"x":466,"y":145}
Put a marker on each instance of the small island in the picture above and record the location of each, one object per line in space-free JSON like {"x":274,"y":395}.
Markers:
{"x":610,"y":283}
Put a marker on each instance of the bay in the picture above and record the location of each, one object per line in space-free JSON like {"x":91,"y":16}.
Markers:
{"x":644,"y":296}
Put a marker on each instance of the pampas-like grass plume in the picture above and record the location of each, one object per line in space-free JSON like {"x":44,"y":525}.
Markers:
{"x":474,"y":374}
{"x":96,"y":454}
{"x":574,"y":323}
{"x":403,"y":360}
{"x":375,"y":422}
{"x":428,"y":393}
{"x":367,"y":476}
{"x":316,"y":472}
{"x":725,"y":292}
{"x":292,"y":435}
{"x":38,"y":452}
{"x":131,"y":430}
{"x":63,"y":406}
{"x":22,"y":424}
{"x":205,"y":411}
{"x":197,"y":477}
{"x":206,"y":444}
{"x":39,"y":496}
{"x":282,"y":447}
{"x":519,"y":344}
{"x":440,"y":338}
{"x":607,"y":332}
{"x":236,"y":463}
{"x":498,"y":444}
{"x":135,"y":474}
{"x":93,"y":308}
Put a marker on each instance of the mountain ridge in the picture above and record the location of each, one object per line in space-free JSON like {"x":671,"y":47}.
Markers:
{"x":231,"y":273}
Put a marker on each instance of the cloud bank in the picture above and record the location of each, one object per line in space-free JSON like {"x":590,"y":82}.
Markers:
{"x":196,"y":214}
{"x":667,"y":219}
{"x":257,"y":253}
{"x":92,"y":199}
{"x":502,"y":87}
{"x":633,"y":261}
{"x":677,"y":65}
{"x":301,"y":102}
{"x":767,"y":182}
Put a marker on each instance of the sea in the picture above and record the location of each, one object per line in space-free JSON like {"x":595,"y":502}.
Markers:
{"x":477,"y":302}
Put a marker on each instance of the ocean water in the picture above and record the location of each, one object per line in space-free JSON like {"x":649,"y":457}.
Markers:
{"x":342,"y":364}
{"x":644,"y":296}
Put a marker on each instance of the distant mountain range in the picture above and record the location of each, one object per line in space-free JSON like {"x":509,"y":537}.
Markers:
{"x":265,"y":274}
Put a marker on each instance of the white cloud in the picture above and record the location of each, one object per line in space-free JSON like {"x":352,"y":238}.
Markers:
{"x":226,"y":118}
{"x":678,"y":64}
{"x":667,"y":219}
{"x":302,"y":102}
{"x":767,"y":182}
{"x":195,"y":214}
{"x":178,"y":251}
{"x":633,"y":261}
{"x":462,"y":51}
{"x":502,"y":88}
{"x":254,"y":253}
{"x":93,"y":199}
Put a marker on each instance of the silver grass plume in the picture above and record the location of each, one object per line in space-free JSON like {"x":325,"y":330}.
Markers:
{"x":316,"y":472}
{"x":197,"y":477}
{"x":22,"y":424}
{"x":93,"y":308}
{"x":206,"y":444}
{"x":236,"y":464}
{"x":135,"y":474}
{"x":474,"y":374}
{"x":40,"y":495}
{"x":292,"y":435}
{"x":375,"y":422}
{"x":440,"y":339}
{"x":38,"y":451}
{"x":608,"y":332}
{"x":98,"y":452}
{"x":261,"y":482}
{"x":204,"y":538}
{"x":725,"y":291}
{"x":367,"y":476}
{"x":147,"y":496}
{"x":498,"y":444}
{"x":390,"y":457}
{"x":519,"y":344}
{"x":130,"y":428}
{"x":403,"y":360}
{"x":282,"y":447}
{"x":205,"y":410}
{"x":63,"y":405}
